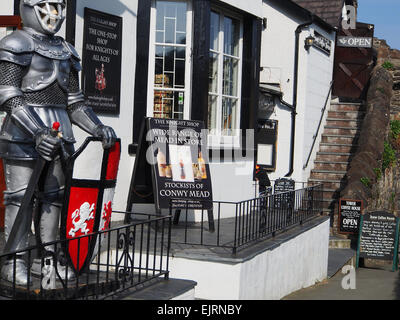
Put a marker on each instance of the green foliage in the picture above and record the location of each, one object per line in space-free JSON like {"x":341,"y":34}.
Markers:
{"x":388,"y":65}
{"x":381,"y":90}
{"x":395,"y":129}
{"x":366,"y":182}
{"x":378,"y":173}
{"x":389,"y":156}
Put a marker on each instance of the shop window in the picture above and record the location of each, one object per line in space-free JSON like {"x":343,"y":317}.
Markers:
{"x":169,"y":64}
{"x":226,"y":37}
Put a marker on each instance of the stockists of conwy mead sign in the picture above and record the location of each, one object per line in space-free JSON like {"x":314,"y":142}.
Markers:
{"x":177,"y":153}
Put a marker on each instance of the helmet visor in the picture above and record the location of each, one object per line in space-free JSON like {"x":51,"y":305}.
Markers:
{"x":50,"y":15}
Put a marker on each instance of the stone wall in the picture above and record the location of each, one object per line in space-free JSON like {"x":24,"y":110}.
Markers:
{"x":391,"y":59}
{"x":374,"y":132}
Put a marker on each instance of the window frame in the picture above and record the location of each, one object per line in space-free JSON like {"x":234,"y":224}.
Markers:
{"x":188,"y":60}
{"x":217,"y":139}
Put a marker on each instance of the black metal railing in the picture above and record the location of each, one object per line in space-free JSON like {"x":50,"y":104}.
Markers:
{"x":236,"y":225}
{"x":124,"y":257}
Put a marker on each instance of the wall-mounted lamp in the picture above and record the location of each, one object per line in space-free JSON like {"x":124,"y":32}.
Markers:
{"x":264,"y":23}
{"x":309,"y":42}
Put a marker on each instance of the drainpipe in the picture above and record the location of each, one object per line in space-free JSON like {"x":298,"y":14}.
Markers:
{"x":299,"y":29}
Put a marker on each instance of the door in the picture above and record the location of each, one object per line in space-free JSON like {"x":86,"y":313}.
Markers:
{"x":7,"y":25}
{"x":353,"y":61}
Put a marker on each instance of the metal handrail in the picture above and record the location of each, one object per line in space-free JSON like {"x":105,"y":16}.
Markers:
{"x":126,"y":257}
{"x":319,"y":125}
{"x":253,"y":220}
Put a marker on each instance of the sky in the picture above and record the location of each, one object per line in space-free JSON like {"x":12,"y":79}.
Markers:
{"x":385,"y":15}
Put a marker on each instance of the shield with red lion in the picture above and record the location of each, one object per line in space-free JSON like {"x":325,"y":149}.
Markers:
{"x":91,"y":177}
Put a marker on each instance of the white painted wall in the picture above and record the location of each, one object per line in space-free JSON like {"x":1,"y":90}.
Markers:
{"x":319,"y":77}
{"x":314,"y":76}
{"x":271,"y":275}
{"x":7,"y":7}
{"x":122,"y":124}
{"x":253,"y":7}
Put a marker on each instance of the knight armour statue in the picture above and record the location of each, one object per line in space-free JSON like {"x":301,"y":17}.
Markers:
{"x":39,"y":85}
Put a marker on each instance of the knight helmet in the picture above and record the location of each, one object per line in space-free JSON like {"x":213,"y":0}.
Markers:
{"x":43,"y":16}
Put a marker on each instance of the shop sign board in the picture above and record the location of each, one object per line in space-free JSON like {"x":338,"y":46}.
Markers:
{"x":101,"y":61}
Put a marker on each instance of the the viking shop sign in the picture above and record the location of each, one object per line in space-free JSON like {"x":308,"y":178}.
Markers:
{"x":349,"y":215}
{"x":174,"y":153}
{"x":101,"y":76}
{"x":378,"y":237}
{"x":322,"y":43}
{"x":354,"y":42}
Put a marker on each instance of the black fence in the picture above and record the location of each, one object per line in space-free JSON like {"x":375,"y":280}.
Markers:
{"x":253,"y":220}
{"x":124,"y":258}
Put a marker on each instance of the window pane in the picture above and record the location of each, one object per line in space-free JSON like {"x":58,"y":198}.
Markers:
{"x":229,"y":111}
{"x":231,"y":36}
{"x":171,"y":22}
{"x":169,"y":59}
{"x":163,"y":101}
{"x":213,"y":73}
{"x":169,"y":30}
{"x":230,"y":79}
{"x":212,"y":113}
{"x":181,"y":16}
{"x":170,"y":66}
{"x":214,"y":30}
{"x":179,"y":73}
{"x":178,"y":105}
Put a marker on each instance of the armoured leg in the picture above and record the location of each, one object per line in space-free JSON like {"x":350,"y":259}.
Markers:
{"x":51,"y":204}
{"x":17,"y":174}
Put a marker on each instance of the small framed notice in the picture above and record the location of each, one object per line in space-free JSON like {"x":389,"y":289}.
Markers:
{"x":349,"y":215}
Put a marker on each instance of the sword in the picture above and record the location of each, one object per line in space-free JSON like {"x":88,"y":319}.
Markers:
{"x":23,"y":219}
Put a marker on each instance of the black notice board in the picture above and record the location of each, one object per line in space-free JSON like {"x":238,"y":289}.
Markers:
{"x":349,"y":215}
{"x":101,"y":61}
{"x":378,"y":237}
{"x":285,"y":200}
{"x":171,"y":167}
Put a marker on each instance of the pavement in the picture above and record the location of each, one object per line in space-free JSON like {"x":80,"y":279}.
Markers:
{"x":367,"y":284}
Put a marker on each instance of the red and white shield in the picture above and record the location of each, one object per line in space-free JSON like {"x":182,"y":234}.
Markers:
{"x":89,"y":193}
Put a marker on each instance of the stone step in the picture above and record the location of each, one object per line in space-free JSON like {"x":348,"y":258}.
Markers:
{"x":328,"y":184}
{"x":355,"y":115}
{"x":347,"y":107}
{"x":334,"y":156}
{"x":327,"y":175}
{"x":331,"y":194}
{"x":339,"y":242}
{"x":331,"y":165}
{"x":336,"y":147}
{"x":347,"y":123}
{"x":346,"y":131}
{"x":339,"y":139}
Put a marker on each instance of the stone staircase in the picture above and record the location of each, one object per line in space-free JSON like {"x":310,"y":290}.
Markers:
{"x":338,"y":145}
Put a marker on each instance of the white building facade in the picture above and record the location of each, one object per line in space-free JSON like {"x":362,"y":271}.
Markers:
{"x":203,"y":59}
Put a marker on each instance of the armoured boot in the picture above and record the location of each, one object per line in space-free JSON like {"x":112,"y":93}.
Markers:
{"x":20,"y":276}
{"x":41,"y":267}
{"x":17,"y":272}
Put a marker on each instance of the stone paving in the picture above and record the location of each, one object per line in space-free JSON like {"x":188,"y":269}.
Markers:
{"x":370,"y":284}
